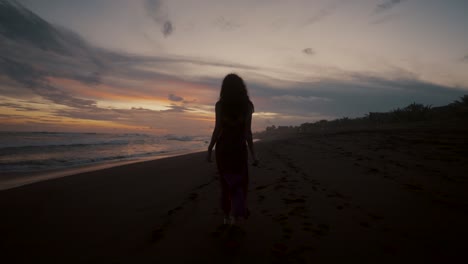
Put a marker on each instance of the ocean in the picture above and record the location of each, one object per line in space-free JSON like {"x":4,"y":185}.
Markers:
{"x":35,"y":152}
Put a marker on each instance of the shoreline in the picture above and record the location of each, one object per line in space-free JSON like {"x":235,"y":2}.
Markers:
{"x":15,"y":180}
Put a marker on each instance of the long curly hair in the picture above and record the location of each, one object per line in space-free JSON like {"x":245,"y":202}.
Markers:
{"x":234,"y":97}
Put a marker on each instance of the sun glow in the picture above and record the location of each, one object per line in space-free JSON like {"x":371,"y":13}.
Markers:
{"x":137,"y":104}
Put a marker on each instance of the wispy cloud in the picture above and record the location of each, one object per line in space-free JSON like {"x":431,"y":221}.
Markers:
{"x":387,"y":5}
{"x":323,"y":13}
{"x":157,"y":10}
{"x":385,"y":19}
{"x":35,"y":80}
{"x":176,"y":109}
{"x":18,"y":107}
{"x":464,"y":58}
{"x":299,"y":99}
{"x":175,"y":98}
{"x":308,"y":51}
{"x":226,"y":24}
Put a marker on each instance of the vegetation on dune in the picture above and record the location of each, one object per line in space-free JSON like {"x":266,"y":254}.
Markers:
{"x":414,"y":114}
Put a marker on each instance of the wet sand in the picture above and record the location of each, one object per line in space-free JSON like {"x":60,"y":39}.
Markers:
{"x":394,"y":196}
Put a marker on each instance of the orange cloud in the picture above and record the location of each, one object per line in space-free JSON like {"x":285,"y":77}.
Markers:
{"x":157,"y":90}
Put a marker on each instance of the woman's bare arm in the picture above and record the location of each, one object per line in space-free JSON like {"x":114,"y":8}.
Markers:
{"x":249,"y":138}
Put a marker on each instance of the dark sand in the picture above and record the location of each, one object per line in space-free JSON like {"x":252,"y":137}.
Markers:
{"x":396,"y":196}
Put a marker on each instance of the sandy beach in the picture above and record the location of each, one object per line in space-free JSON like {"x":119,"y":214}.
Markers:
{"x":392,"y":196}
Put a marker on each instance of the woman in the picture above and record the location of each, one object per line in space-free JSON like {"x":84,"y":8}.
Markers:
{"x":231,"y":133}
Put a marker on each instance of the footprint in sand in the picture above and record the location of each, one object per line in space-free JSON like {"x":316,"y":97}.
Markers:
{"x":293,"y":201}
{"x":305,"y":217}
{"x":376,"y":217}
{"x":202,"y":185}
{"x":364,"y":224}
{"x":315,"y":182}
{"x":299,"y":210}
{"x":388,"y":177}
{"x":279,"y":186}
{"x":414,"y":187}
{"x":322,"y":229}
{"x":219,"y":230}
{"x":216,"y":211}
{"x":261,"y":198}
{"x":287,"y":232}
{"x":193,"y":196}
{"x":279,"y":249}
{"x":172,"y":211}
{"x":281,"y":218}
{"x":157,"y":235}
{"x":307,"y":225}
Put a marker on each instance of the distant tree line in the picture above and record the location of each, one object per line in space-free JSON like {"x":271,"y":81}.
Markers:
{"x":456,"y":112}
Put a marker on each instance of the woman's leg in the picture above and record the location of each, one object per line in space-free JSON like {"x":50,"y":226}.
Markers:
{"x":225,"y":197}
{"x":245,"y":189}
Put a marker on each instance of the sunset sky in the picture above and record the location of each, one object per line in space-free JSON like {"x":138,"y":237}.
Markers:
{"x":151,"y":66}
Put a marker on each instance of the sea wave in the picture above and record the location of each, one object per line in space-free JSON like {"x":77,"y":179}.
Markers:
{"x":36,"y":151}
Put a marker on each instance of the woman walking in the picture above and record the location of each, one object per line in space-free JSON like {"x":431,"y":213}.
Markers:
{"x":232,"y":134}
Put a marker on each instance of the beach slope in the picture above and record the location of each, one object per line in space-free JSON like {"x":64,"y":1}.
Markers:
{"x":394,"y":196}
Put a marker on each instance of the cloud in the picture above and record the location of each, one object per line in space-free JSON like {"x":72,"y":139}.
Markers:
{"x":18,"y":107}
{"x":34,"y":79}
{"x":323,"y":13}
{"x":355,"y":95}
{"x":158,"y":12}
{"x":299,"y":99}
{"x":386,"y":19}
{"x":20,"y":24}
{"x":176,"y":109}
{"x":31,"y":57}
{"x":175,"y":98}
{"x":387,"y":5}
{"x":308,"y":51}
{"x":21,"y":72}
{"x":167,"y":28}
{"x":225,"y":24}
{"x":465,"y":58}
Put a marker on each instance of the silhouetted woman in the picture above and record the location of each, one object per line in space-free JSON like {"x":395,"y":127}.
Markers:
{"x":232,"y":134}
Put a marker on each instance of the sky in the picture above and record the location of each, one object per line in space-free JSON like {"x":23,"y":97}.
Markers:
{"x":154,"y":66}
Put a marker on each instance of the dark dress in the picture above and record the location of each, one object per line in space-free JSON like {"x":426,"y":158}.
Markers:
{"x":232,"y":160}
